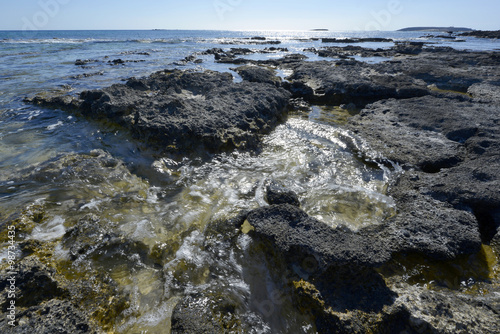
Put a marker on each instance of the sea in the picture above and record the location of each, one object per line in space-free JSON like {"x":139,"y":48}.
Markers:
{"x":51,"y":164}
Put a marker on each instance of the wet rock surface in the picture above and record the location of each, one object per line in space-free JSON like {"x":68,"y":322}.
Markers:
{"x":42,"y":302}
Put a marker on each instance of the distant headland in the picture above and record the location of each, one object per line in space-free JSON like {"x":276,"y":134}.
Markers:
{"x":437,"y":29}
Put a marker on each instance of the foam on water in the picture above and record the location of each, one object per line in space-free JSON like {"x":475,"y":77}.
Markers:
{"x":54,"y":229}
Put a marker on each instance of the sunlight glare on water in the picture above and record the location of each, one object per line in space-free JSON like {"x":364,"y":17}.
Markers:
{"x":308,"y":158}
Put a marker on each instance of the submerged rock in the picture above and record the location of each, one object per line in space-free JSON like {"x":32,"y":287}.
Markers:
{"x":38,"y":292}
{"x":185,"y":110}
{"x":278,"y":194}
{"x":54,"y":316}
{"x":214,"y":313}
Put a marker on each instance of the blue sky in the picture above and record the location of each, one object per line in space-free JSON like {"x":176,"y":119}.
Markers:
{"x":247,"y":14}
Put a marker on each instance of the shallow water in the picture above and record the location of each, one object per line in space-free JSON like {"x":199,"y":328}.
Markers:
{"x":66,"y":167}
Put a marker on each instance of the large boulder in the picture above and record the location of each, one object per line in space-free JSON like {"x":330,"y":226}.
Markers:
{"x":185,"y":110}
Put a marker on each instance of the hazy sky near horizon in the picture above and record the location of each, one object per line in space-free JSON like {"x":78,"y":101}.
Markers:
{"x":246,"y":14}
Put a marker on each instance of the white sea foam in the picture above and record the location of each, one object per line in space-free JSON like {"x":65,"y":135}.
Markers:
{"x":54,"y":229}
{"x":54,"y":126}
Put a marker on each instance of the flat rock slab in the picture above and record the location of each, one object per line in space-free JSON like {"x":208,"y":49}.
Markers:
{"x":427,"y":132}
{"x":351,"y":82}
{"x":185,"y":110}
{"x":300,"y":237}
{"x":426,"y":225}
{"x":454,"y":146}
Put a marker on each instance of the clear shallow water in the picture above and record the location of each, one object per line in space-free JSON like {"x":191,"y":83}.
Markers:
{"x":56,"y":161}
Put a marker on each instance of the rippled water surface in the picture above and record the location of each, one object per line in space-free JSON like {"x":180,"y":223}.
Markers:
{"x":66,"y":167}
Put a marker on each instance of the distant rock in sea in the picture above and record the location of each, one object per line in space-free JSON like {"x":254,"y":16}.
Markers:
{"x":495,"y":34}
{"x":437,"y":29}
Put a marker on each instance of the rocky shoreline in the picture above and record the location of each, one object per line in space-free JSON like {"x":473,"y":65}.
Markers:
{"x":432,"y":111}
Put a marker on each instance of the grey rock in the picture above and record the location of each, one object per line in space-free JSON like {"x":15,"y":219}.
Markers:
{"x":278,"y":194}
{"x":299,"y":236}
{"x":446,"y":68}
{"x":258,"y":74}
{"x":428,"y":226}
{"x":412,"y":132}
{"x":455,"y":142}
{"x":186,"y":110}
{"x":359,"y":83}
{"x":485,"y":92}
{"x":447,"y":311}
{"x":54,"y":316}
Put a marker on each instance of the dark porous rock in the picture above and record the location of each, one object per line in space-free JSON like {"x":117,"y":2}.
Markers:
{"x":359,"y":83}
{"x":349,"y":51}
{"x":449,"y":312}
{"x":411,"y":132}
{"x":258,"y":74}
{"x":428,"y":132}
{"x":493,"y":34}
{"x":299,"y":236}
{"x":334,"y":276}
{"x":54,"y":316}
{"x":342,"y":307}
{"x":455,"y":144}
{"x":276,"y":193}
{"x":426,"y":225}
{"x":81,"y":62}
{"x":207,"y":312}
{"x":58,"y":101}
{"x":473,"y":184}
{"x":356,"y":40}
{"x":34,"y":283}
{"x":408,"y":48}
{"x":186,"y":110}
{"x":445,"y":68}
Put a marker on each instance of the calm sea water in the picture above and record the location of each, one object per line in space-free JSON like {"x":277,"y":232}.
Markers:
{"x":166,"y":196}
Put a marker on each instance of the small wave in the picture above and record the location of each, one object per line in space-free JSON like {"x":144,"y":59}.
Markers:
{"x":158,"y":41}
{"x":54,"y":126}
{"x":90,"y":40}
{"x":46,"y":41}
